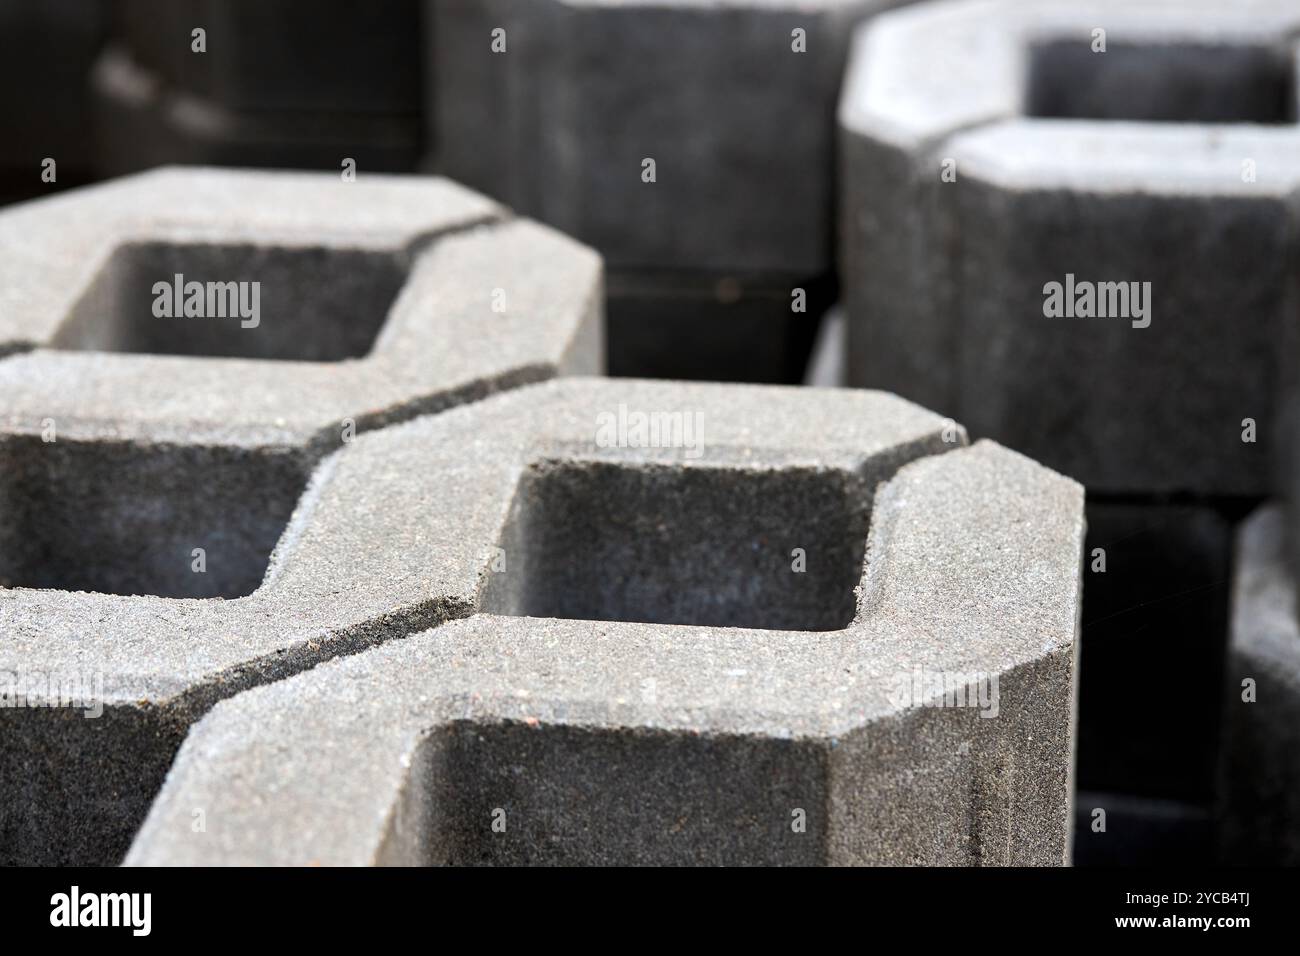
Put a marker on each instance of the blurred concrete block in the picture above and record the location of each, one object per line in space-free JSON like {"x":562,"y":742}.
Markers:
{"x":827,"y":367}
{"x":560,"y":119}
{"x":654,"y":677}
{"x":1001,"y":182}
{"x":1259,"y":808}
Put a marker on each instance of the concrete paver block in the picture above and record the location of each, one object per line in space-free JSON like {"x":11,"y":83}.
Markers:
{"x":169,"y":533}
{"x":1259,"y":770}
{"x":378,"y":299}
{"x":739,"y":124}
{"x":651,"y":677}
{"x":987,"y":151}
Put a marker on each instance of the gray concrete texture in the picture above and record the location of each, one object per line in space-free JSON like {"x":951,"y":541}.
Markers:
{"x":1172,"y":158}
{"x":128,"y":440}
{"x":637,"y":673}
{"x":379,"y":299}
{"x":740,"y":126}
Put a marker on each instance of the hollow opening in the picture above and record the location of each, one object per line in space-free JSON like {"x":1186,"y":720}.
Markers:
{"x":306,"y":304}
{"x":177,"y":522}
{"x":1176,"y":83}
{"x":779,"y":549}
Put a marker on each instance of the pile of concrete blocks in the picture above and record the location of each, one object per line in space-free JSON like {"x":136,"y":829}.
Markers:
{"x":1072,"y":228}
{"x":170,"y":535}
{"x":323,"y":541}
{"x":691,"y":143}
{"x":582,"y":620}
{"x":46,"y":51}
{"x":277,"y":83}
{"x":676,"y":655}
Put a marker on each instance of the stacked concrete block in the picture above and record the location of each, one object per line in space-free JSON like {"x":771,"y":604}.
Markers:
{"x":1071,"y":226}
{"x":46,"y":51}
{"x":969,"y":188}
{"x":557,"y":107}
{"x":741,"y":641}
{"x":280,"y":83}
{"x":171,"y":530}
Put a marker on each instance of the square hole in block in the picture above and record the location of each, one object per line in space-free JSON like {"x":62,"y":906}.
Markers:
{"x":308,"y":304}
{"x":780,"y":549}
{"x":127,"y":519}
{"x":1176,"y":82}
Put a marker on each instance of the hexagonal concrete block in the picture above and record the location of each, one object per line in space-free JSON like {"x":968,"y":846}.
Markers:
{"x":375,"y":300}
{"x":168,"y":533}
{"x":1001,"y":182}
{"x":1259,"y":758}
{"x":554,"y":106}
{"x":708,"y":632}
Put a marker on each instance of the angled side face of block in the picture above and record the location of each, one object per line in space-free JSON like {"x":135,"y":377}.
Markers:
{"x":534,"y":104}
{"x":326,"y":301}
{"x":864,"y":654}
{"x":1015,"y":257}
{"x":1259,"y":760}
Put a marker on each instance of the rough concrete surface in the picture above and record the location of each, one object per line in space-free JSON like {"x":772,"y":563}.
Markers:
{"x":170,"y":532}
{"x":647,"y":678}
{"x":1173,"y":158}
{"x":558,"y":126}
{"x":417,"y":295}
